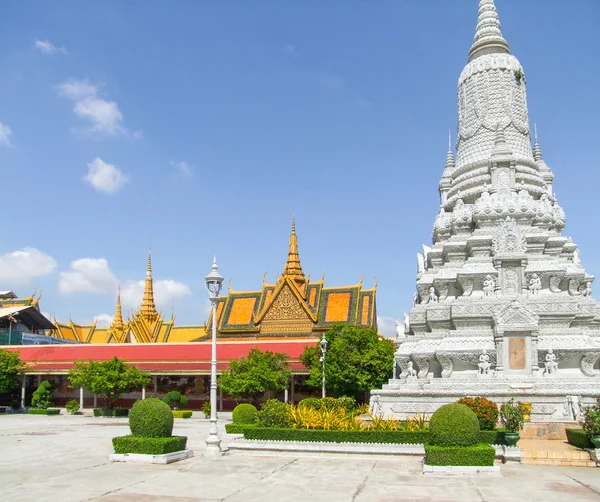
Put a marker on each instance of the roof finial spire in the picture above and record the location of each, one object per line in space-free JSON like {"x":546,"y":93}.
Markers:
{"x":488,"y":37}
{"x":118,"y":319}
{"x":292,"y":268}
{"x":148,"y":309}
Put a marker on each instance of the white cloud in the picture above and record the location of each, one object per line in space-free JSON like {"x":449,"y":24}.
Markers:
{"x":103,"y":320}
{"x":387,"y":326}
{"x":47,"y":47}
{"x":183,"y":169}
{"x":104,"y":116}
{"x":5,"y":134}
{"x":19,"y":268}
{"x":87,"y":275}
{"x":165,"y":293}
{"x":105,"y":177}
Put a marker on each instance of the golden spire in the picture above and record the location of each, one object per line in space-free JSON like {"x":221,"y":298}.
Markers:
{"x":148,"y":309}
{"x":292,"y":268}
{"x":118,"y":319}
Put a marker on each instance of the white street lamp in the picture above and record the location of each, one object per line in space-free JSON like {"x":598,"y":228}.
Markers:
{"x":214,"y":281}
{"x":323,"y":344}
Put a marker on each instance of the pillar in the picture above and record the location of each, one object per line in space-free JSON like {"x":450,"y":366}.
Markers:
{"x":23,"y":389}
{"x":285,"y":395}
{"x":95,"y":401}
{"x":39,"y":380}
{"x":293,"y":388}
{"x":220,"y":399}
{"x":144,"y":391}
{"x":155,"y":381}
{"x":81,"y":398}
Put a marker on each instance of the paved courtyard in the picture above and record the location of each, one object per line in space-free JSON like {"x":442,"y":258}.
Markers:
{"x":65,"y":458}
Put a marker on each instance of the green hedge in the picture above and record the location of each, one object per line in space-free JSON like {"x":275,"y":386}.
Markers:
{"x":244,"y":414}
{"x":182,"y":413}
{"x":454,"y":425}
{"x":149,"y":446}
{"x":151,"y":418}
{"x":42,"y":411}
{"x":111,"y":412}
{"x":477,"y":455}
{"x":237,"y":428}
{"x":2,"y":409}
{"x":272,"y":434}
{"x":491,"y":437}
{"x":579,"y":439}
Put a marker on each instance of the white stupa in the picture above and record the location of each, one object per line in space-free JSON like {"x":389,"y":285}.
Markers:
{"x":503,"y":305}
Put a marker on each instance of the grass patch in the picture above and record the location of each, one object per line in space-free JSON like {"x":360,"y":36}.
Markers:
{"x":149,"y":446}
{"x":477,"y":455}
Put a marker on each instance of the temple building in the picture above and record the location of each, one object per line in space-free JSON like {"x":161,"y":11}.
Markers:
{"x":503,"y":306}
{"x":294,"y":307}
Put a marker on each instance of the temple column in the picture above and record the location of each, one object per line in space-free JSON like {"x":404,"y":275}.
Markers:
{"x":155,"y":381}
{"x":23,"y":389}
{"x":144,"y":391}
{"x":39,"y":379}
{"x":285,"y":395}
{"x":292,"y":388}
{"x":81,"y":398}
{"x":95,"y":401}
{"x":220,"y":399}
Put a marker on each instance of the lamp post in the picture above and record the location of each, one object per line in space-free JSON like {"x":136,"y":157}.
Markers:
{"x":11,"y":319}
{"x":323,"y":344}
{"x":214,"y":281}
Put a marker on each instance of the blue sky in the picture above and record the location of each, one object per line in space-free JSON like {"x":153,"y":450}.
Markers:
{"x":200,"y":126}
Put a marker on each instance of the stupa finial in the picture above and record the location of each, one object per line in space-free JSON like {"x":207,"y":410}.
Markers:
{"x":537,"y":150}
{"x":450,"y":156}
{"x":148,"y":309}
{"x":292,"y":267}
{"x":488,"y":36}
{"x":118,"y":319}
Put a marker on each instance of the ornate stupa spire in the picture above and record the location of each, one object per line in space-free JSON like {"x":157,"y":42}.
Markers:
{"x":488,"y":36}
{"x":545,"y":171}
{"x":537,"y":151}
{"x":292,"y":268}
{"x":148,"y":309}
{"x":118,"y":319}
{"x":450,"y":155}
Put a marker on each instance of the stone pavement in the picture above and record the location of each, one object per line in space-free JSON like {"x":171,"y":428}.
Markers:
{"x":65,"y":458}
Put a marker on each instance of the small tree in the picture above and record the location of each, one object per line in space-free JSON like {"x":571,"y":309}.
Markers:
{"x":11,"y":367}
{"x":42,"y":397}
{"x":175,"y":399}
{"x":259,"y":372}
{"x":357,"y":360}
{"x":108,"y":379}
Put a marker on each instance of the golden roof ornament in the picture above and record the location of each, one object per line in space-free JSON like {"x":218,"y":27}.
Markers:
{"x":292,"y":268}
{"x":148,"y":309}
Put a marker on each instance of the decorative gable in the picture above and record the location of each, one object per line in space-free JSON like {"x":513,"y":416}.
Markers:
{"x":516,"y":314}
{"x":285,"y":306}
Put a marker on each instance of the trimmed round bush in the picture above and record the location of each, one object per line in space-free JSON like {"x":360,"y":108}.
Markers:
{"x":453,"y":425}
{"x":151,"y":418}
{"x":244,"y":414}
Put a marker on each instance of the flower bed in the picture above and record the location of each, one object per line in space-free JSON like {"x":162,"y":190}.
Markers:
{"x":334,"y":436}
{"x":476,"y":455}
{"x":149,"y":445}
{"x":579,"y":438}
{"x":44,"y":411}
{"x":182,"y":413}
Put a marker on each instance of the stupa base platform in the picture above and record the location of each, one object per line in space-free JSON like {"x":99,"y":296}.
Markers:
{"x":558,"y":400}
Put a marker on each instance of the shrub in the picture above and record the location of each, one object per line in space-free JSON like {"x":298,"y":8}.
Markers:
{"x":334,"y":436}
{"x":579,"y":438}
{"x":313,"y":403}
{"x":328,"y":403}
{"x":453,"y":425}
{"x":348,"y":403}
{"x":2,"y":409}
{"x":486,"y":411}
{"x":151,"y":418}
{"x":44,"y":411}
{"x":512,"y":415}
{"x":591,"y":420}
{"x":491,"y":437}
{"x":244,"y":414}
{"x":237,"y":428}
{"x":175,"y":399}
{"x":42,"y":397}
{"x":477,"y":455}
{"x":182,"y":413}
{"x":206,"y":409}
{"x":273,"y":413}
{"x":73,"y":406}
{"x":149,"y":445}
